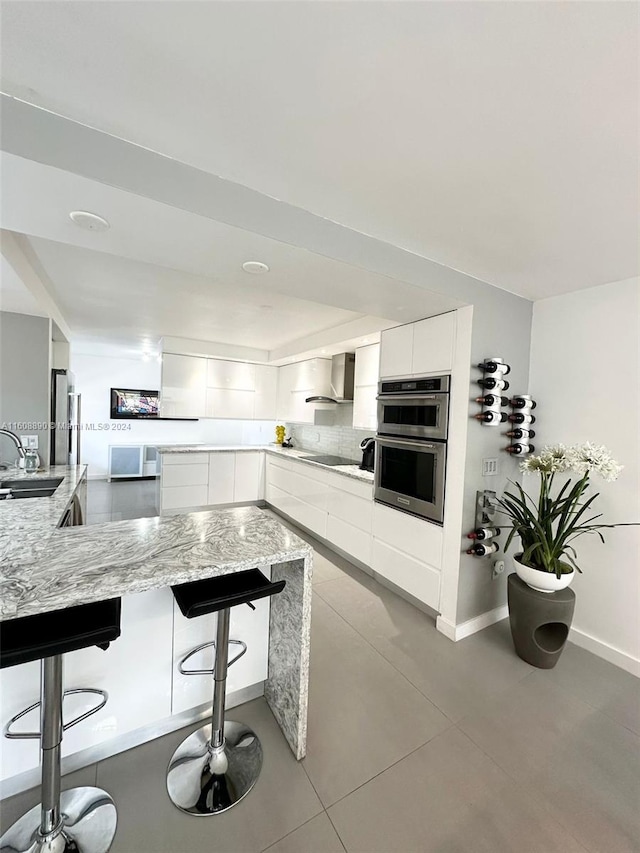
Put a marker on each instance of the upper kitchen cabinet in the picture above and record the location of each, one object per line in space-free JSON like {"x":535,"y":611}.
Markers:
{"x":230,"y":389}
{"x":396,"y":351}
{"x":418,"y":348}
{"x":195,"y":387}
{"x":365,"y":392}
{"x":264,"y":399}
{"x":298,"y":381}
{"x":433,"y":341}
{"x":184,"y":384}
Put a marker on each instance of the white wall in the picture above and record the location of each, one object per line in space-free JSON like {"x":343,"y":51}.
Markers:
{"x":96,"y":374}
{"x":585,"y":376}
{"x":25,"y":380}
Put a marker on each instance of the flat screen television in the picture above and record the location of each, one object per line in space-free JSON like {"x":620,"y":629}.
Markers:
{"x":134,"y":403}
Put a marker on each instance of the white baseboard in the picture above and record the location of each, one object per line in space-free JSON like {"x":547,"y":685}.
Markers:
{"x":604,"y":650}
{"x":471,"y":626}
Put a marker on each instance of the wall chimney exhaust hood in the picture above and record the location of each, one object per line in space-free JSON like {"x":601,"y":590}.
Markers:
{"x":342,"y":376}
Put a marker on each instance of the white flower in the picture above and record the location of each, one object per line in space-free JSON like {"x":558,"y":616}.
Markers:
{"x":551,"y":460}
{"x":587,"y":457}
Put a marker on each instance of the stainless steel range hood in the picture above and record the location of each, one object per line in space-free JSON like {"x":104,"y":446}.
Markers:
{"x":342,"y":375}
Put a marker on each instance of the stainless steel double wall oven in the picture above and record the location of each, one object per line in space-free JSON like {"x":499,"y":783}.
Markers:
{"x":411,"y":445}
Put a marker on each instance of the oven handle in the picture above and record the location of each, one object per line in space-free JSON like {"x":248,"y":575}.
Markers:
{"x":382,"y":440}
{"x":412,"y":397}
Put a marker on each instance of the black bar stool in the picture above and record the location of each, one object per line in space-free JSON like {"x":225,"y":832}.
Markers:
{"x":82,"y":820}
{"x":217,"y":765}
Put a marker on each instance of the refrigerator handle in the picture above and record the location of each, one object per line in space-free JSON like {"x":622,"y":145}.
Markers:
{"x":79,"y":427}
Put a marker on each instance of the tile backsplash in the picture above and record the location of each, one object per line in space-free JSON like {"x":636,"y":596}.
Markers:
{"x":337,"y":440}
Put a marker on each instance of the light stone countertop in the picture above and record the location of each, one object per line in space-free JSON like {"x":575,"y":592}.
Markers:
{"x":295,"y":453}
{"x":29,"y":519}
{"x":79,"y":565}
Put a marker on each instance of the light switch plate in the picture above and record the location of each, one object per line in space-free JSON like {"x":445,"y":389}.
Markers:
{"x":29,"y":441}
{"x":489,"y":467}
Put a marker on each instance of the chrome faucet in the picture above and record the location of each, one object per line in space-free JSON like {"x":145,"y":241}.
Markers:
{"x":15,"y":440}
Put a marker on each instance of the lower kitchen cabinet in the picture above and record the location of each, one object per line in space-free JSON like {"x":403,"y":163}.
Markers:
{"x":222,"y":468}
{"x":190,"y":481}
{"x":400,"y":548}
{"x":248,"y":482}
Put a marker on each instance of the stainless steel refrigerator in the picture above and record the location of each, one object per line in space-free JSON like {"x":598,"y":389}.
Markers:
{"x":65,"y":419}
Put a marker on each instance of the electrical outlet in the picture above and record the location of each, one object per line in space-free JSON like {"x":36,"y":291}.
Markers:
{"x":497,"y":568}
{"x":30,"y":441}
{"x":489,"y":467}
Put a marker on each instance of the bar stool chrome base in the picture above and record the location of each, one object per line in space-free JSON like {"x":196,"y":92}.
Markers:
{"x":203,"y":779}
{"x":88,"y":825}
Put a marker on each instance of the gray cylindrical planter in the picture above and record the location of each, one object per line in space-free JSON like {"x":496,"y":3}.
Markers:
{"x":539,"y":621}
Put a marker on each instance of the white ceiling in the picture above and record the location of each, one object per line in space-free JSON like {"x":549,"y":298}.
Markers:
{"x":161,"y":271}
{"x":109,"y":298}
{"x":499,"y":139}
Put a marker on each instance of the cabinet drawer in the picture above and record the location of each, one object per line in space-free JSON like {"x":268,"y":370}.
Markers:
{"x":184,"y":496}
{"x":413,"y":576}
{"x":309,"y":490}
{"x":184,"y":458}
{"x":352,"y":540}
{"x":353,"y":510}
{"x":308,"y":516}
{"x":413,"y":536}
{"x":185,"y":475}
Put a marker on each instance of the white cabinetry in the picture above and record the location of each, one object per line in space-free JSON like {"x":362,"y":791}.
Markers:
{"x":248,"y":483}
{"x":190,"y":481}
{"x":396,"y":351}
{"x":183,"y":386}
{"x":213,"y":388}
{"x":365,"y":405}
{"x":184,"y":481}
{"x":418,"y":348}
{"x":222,"y":468}
{"x":433,"y":341}
{"x":408,"y":552}
{"x":298,"y":381}
{"x":329,"y":505}
{"x":266,"y":389}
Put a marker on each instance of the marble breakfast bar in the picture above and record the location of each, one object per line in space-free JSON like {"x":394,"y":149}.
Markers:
{"x":139,"y":560}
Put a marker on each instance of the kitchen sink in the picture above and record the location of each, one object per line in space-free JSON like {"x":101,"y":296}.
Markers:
{"x":41,"y":487}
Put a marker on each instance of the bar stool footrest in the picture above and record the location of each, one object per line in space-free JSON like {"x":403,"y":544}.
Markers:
{"x":33,"y":735}
{"x":209,"y":645}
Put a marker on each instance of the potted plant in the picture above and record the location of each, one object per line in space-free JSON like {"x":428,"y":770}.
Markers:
{"x":547,"y":528}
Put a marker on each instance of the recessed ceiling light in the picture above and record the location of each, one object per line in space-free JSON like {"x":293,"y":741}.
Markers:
{"x":255,"y":267}
{"x":89,"y":221}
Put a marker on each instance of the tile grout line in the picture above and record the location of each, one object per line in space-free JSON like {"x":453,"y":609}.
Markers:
{"x":391,"y":664}
{"x":523,"y":786}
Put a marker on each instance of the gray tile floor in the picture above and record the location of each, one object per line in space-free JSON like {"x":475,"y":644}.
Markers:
{"x":416,"y":744}
{"x":120,"y":499}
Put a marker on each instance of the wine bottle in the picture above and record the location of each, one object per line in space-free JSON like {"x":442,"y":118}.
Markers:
{"x":484,"y":549}
{"x":490,"y":383}
{"x":493,"y":418}
{"x":519,"y":418}
{"x":484,"y":533}
{"x":492,"y":400}
{"x":520,"y":449}
{"x":521,"y":433}
{"x":495,"y":367}
{"x":522,"y":403}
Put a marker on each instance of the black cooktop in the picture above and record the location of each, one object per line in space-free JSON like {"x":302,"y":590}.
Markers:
{"x":329,"y":460}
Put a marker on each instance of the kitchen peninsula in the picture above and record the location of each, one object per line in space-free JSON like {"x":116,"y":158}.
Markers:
{"x":43,"y":568}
